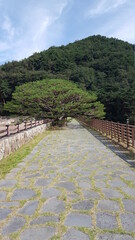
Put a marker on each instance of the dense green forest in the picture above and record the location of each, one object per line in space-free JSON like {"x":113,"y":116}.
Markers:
{"x":99,"y":64}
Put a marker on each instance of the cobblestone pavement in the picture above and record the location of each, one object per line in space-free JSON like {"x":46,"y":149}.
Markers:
{"x":70,"y":187}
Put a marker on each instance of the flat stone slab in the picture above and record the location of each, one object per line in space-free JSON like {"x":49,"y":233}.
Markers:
{"x":84,"y":185}
{"x":117,"y":183}
{"x":128,"y":222}
{"x":10,"y":176}
{"x":106,"y":221}
{"x":78,"y":220}
{"x":83,"y":205}
{"x":42,"y":182}
{"x":70,"y":174}
{"x":45,"y":233}
{"x":83,"y":179}
{"x":99,"y":177}
{"x":33,"y":167}
{"x":44,"y":219}
{"x":49,"y":169}
{"x":21,"y":164}
{"x":33,"y":175}
{"x":4,"y":212}
{"x":29,"y":208}
{"x":2,"y":195}
{"x":10,"y":204}
{"x":25,"y":183}
{"x":100,"y":184}
{"x":85,"y":172}
{"x":111,"y":193}
{"x":53,"y":205}
{"x":129,"y":205}
{"x":108,"y":205}
{"x":15,"y":170}
{"x":130,"y":177}
{"x":23,"y":194}
{"x":7,"y":183}
{"x":14,"y":225}
{"x":73,"y":196}
{"x":73,"y":234}
{"x":129,"y":191}
{"x":69,"y":186}
{"x":50,"y":192}
{"x":109,"y":236}
{"x":89,"y":194}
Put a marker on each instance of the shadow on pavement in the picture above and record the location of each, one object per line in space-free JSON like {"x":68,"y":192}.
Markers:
{"x":74,"y":126}
{"x":123,"y":153}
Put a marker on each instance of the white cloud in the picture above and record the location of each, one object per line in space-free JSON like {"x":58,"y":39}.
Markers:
{"x":105,"y":6}
{"x":3,"y":46}
{"x":60,"y":7}
{"x":126,"y":31}
{"x":42,"y":28}
{"x":8,"y":27}
{"x":38,"y":25}
{"x":118,"y":24}
{"x":121,"y":27}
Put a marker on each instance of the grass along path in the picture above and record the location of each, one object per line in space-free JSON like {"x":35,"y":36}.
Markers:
{"x":10,"y":162}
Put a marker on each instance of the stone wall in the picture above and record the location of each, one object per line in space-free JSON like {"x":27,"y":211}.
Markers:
{"x":8,"y":120}
{"x":13,"y":142}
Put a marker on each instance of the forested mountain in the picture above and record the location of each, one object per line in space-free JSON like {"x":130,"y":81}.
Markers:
{"x":99,"y":64}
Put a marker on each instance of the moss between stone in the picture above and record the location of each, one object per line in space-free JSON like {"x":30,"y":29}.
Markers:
{"x":11,"y":161}
{"x":129,"y":183}
{"x":14,"y":236}
{"x":89,"y":232}
{"x":126,"y":196}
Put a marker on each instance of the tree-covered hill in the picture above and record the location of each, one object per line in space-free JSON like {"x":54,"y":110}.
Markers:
{"x":100,"y":64}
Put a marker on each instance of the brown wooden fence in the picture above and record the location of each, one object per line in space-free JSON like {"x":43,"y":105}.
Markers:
{"x":122,"y":133}
{"x":7,"y":130}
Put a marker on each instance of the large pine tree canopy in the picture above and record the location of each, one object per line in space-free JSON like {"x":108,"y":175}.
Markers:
{"x":99,"y":64}
{"x":54,"y":99}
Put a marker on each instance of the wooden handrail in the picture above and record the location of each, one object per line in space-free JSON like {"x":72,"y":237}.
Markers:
{"x":13,"y":129}
{"x":122,"y":133}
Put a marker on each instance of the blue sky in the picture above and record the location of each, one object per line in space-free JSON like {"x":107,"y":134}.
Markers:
{"x":28,"y":26}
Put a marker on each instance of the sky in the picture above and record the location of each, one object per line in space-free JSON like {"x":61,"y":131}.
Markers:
{"x":29,"y":26}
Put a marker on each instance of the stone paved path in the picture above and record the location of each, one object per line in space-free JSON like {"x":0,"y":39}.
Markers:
{"x":70,"y":187}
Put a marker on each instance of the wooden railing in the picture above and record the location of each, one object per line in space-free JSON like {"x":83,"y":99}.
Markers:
{"x":7,"y":130}
{"x":122,"y":133}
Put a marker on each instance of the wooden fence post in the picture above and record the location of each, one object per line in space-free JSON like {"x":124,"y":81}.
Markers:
{"x":118,"y":133}
{"x":133,"y":136}
{"x":25,"y":125}
{"x":18,"y":129}
{"x":122,"y":134}
{"x":127,"y":130}
{"x":111,"y":130}
{"x":8,"y":132}
{"x":106,"y":128}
